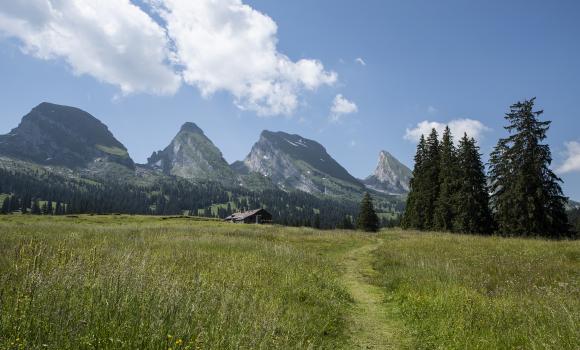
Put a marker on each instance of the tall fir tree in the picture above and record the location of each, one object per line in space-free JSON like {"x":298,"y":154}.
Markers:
{"x":431,"y":168}
{"x":5,"y":205}
{"x":448,"y":181}
{"x":527,"y":198}
{"x":471,"y":209}
{"x":35,"y":208}
{"x":414,"y":217}
{"x":316,"y":221}
{"x":367,"y":218}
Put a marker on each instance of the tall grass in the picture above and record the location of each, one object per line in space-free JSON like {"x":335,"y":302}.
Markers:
{"x":146,"y":283}
{"x":464,"y":292}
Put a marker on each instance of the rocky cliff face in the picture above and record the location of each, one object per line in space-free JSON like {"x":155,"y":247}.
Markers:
{"x":192,"y":155}
{"x":53,"y":134}
{"x":390,"y":175}
{"x":292,"y":162}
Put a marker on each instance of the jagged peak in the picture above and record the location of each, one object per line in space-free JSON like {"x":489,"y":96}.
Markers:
{"x":191,"y":127}
{"x":384,"y":153}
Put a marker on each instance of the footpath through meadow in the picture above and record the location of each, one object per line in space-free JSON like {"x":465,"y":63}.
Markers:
{"x":374,"y":322}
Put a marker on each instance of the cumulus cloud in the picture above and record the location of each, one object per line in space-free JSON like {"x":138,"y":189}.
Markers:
{"x":111,"y":40}
{"x":341,"y":107}
{"x":572,"y":162}
{"x":473,"y":128}
{"x":360,"y":61}
{"x":214,"y":45}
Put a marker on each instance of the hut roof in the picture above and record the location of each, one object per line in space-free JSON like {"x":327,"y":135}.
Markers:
{"x":243,"y":215}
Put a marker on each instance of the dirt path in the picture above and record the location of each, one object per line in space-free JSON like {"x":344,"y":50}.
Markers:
{"x":374,"y":324}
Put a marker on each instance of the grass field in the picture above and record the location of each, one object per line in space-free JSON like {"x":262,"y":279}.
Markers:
{"x":120,"y":282}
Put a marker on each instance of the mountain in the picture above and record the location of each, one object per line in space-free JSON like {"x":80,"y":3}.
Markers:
{"x":390,"y":175}
{"x":192,"y":155}
{"x":292,"y":162}
{"x":64,"y":155}
{"x":59,"y":135}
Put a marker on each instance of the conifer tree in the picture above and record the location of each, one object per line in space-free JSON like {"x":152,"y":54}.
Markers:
{"x":431,"y":169}
{"x":367,"y":218}
{"x":346,"y":223}
{"x":14,"y":203}
{"x":6,"y":205}
{"x":44,"y":209}
{"x":58,"y":209}
{"x":24,"y":203}
{"x":448,"y":179}
{"x":526,"y":195}
{"x":316,"y":222}
{"x":472,"y":213}
{"x":35,"y":210}
{"x":414,"y":215}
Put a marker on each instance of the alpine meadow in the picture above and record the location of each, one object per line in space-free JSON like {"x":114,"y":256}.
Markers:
{"x":203,"y":174}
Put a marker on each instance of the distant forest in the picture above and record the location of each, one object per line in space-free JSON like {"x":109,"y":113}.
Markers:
{"x":45,"y":193}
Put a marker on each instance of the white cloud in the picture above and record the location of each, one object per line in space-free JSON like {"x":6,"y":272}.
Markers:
{"x":473,"y":128}
{"x":111,"y":40}
{"x":360,"y":61}
{"x":572,"y":162}
{"x":227,"y":45}
{"x":214,"y":45}
{"x":341,"y":107}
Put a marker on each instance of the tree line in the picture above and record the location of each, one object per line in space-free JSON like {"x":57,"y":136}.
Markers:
{"x":521,"y":195}
{"x":40,"y":192}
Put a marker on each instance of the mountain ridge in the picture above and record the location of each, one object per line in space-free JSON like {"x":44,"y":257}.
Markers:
{"x":52,"y":134}
{"x":295,"y":162}
{"x":64,"y":136}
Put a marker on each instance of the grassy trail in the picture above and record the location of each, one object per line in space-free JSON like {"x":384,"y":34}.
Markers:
{"x":374,"y":324}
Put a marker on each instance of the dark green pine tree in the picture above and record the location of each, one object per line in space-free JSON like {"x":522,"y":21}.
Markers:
{"x":526,"y":195}
{"x":316,"y":221}
{"x":367,"y":218}
{"x":346,"y":223}
{"x":24,"y":203}
{"x":414,"y":216}
{"x":6,"y":205}
{"x":44,"y":209}
{"x":448,"y":180}
{"x":14,"y":203}
{"x":35,"y":210}
{"x":58,"y":209}
{"x":431,"y":168}
{"x":472,"y":213}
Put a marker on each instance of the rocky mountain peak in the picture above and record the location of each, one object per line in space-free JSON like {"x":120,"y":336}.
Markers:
{"x":191,"y":127}
{"x":293,"y":162}
{"x":192,"y":155}
{"x":390,"y":175}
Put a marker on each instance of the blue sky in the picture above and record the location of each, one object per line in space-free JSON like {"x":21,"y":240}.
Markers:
{"x":422,"y":61}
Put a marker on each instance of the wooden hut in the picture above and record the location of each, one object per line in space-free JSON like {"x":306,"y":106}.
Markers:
{"x":257,"y":216}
